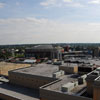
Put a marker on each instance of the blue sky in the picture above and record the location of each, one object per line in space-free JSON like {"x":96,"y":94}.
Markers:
{"x":65,"y":10}
{"x":29,"y":21}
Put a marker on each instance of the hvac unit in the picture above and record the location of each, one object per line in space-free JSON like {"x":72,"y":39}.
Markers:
{"x":67,"y":87}
{"x":81,"y":80}
{"x":58,"y":74}
{"x":62,"y":72}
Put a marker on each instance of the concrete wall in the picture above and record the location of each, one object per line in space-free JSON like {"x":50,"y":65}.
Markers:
{"x":53,"y":95}
{"x":30,"y":81}
{"x":6,"y":97}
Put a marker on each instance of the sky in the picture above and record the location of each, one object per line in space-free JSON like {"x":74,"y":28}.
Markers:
{"x":49,"y":21}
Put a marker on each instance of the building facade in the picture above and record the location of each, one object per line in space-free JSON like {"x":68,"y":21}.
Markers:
{"x":44,"y":51}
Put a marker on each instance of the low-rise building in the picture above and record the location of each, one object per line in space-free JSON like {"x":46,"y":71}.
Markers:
{"x":86,"y":68}
{"x":69,"y":68}
{"x":43,"y":51}
{"x":63,"y":89}
{"x":33,"y":77}
{"x":51,"y":84}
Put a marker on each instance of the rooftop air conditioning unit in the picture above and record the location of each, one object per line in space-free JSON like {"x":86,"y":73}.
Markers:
{"x":81,"y":80}
{"x":58,"y":74}
{"x":67,"y":87}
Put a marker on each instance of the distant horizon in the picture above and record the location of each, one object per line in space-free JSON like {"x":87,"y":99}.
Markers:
{"x":45,"y":43}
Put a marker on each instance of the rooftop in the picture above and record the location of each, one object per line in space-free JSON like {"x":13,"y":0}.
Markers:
{"x":86,"y":65}
{"x":39,"y":69}
{"x":18,"y":92}
{"x":69,"y":65}
{"x":85,"y":61}
{"x":56,"y":86}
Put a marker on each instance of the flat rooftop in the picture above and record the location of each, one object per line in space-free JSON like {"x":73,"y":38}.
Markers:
{"x":86,"y":65}
{"x":69,"y":65}
{"x":57,"y":86}
{"x":39,"y":70}
{"x":85,"y":61}
{"x":95,"y":61}
{"x":64,"y":80}
{"x":18,"y":92}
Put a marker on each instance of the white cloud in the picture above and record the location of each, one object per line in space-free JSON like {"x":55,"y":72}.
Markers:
{"x":94,"y":2}
{"x":2,"y":5}
{"x":68,"y":1}
{"x":94,"y":24}
{"x":33,"y":30}
{"x":48,"y":2}
{"x":75,"y":5}
{"x":60,"y":3}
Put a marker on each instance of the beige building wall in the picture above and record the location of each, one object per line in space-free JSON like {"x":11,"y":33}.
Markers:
{"x":30,"y":81}
{"x":70,"y":70}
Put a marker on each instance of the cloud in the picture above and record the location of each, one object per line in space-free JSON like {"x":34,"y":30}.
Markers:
{"x":33,"y":30}
{"x":48,"y":2}
{"x":61,"y":3}
{"x":94,"y":2}
{"x":67,"y":1}
{"x":94,"y":24}
{"x":2,"y":5}
{"x":75,"y":5}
